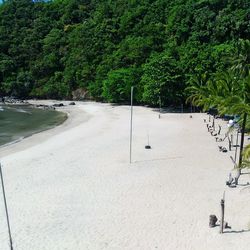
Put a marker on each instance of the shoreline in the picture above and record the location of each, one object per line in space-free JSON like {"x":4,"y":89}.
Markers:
{"x":37,"y":132}
{"x":31,"y":140}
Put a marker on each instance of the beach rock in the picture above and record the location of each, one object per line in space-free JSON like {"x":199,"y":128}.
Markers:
{"x":58,"y":105}
{"x":42,"y":106}
{"x":72,"y":103}
{"x":11,"y":100}
{"x":212,"y":220}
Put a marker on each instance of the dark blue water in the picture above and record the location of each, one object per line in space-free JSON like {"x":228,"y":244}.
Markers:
{"x":19,"y":121}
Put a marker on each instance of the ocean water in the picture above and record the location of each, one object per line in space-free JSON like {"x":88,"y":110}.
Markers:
{"x":20,"y":121}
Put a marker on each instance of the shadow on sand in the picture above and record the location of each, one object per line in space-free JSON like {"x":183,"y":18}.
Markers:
{"x":237,"y":231}
{"x":160,"y":159}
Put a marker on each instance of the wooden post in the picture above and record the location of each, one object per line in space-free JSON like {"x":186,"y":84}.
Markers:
{"x":229,"y":144}
{"x":219,"y":129}
{"x":241,"y":148}
{"x":222,"y":204}
{"x":242,"y":140}
{"x":236,"y":149}
{"x":131,"y":123}
{"x":159,"y":107}
{"x":6,"y":208}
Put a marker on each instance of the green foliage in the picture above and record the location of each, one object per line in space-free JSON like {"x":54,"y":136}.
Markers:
{"x":117,"y":86}
{"x":227,"y":91}
{"x":162,"y":80}
{"x":51,"y":48}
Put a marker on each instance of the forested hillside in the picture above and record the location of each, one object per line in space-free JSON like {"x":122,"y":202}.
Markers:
{"x":48,"y":49}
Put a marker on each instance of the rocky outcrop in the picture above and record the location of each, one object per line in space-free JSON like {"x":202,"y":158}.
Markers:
{"x":58,"y":105}
{"x":80,"y":94}
{"x":12,"y":100}
{"x":42,"y":106}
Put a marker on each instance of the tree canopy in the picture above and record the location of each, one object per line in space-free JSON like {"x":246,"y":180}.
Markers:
{"x":50,"y":48}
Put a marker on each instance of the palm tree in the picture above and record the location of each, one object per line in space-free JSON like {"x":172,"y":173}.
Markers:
{"x":229,"y":92}
{"x":222,"y":91}
{"x":202,"y":91}
{"x":241,"y":67}
{"x":241,"y":59}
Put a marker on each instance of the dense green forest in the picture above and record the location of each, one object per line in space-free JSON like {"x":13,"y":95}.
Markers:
{"x":50,"y":48}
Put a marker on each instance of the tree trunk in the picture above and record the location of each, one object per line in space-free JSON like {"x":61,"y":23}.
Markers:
{"x":241,"y":145}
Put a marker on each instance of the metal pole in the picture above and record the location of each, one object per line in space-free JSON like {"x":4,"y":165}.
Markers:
{"x":131,"y":120}
{"x":6,"y":208}
{"x":159,"y":107}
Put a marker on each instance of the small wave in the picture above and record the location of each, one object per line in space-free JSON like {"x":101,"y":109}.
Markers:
{"x":22,"y":111}
{"x":4,"y":135}
{"x":1,"y":108}
{"x":12,"y":142}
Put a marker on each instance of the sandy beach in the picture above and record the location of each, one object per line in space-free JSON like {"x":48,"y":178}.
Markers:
{"x":72,"y":187}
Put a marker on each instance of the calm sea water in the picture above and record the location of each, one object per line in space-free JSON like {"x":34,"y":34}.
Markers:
{"x":19,"y":121}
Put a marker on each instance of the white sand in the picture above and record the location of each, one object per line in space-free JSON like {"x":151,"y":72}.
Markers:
{"x":73,"y":188}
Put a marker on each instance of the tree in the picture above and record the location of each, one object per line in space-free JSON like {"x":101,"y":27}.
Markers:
{"x":84,"y":40}
{"x":161,"y":79}
{"x":228,"y":92}
{"x":241,"y":59}
{"x":117,"y":86}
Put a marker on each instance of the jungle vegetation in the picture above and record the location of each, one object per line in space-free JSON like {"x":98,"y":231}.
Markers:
{"x":50,"y":48}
